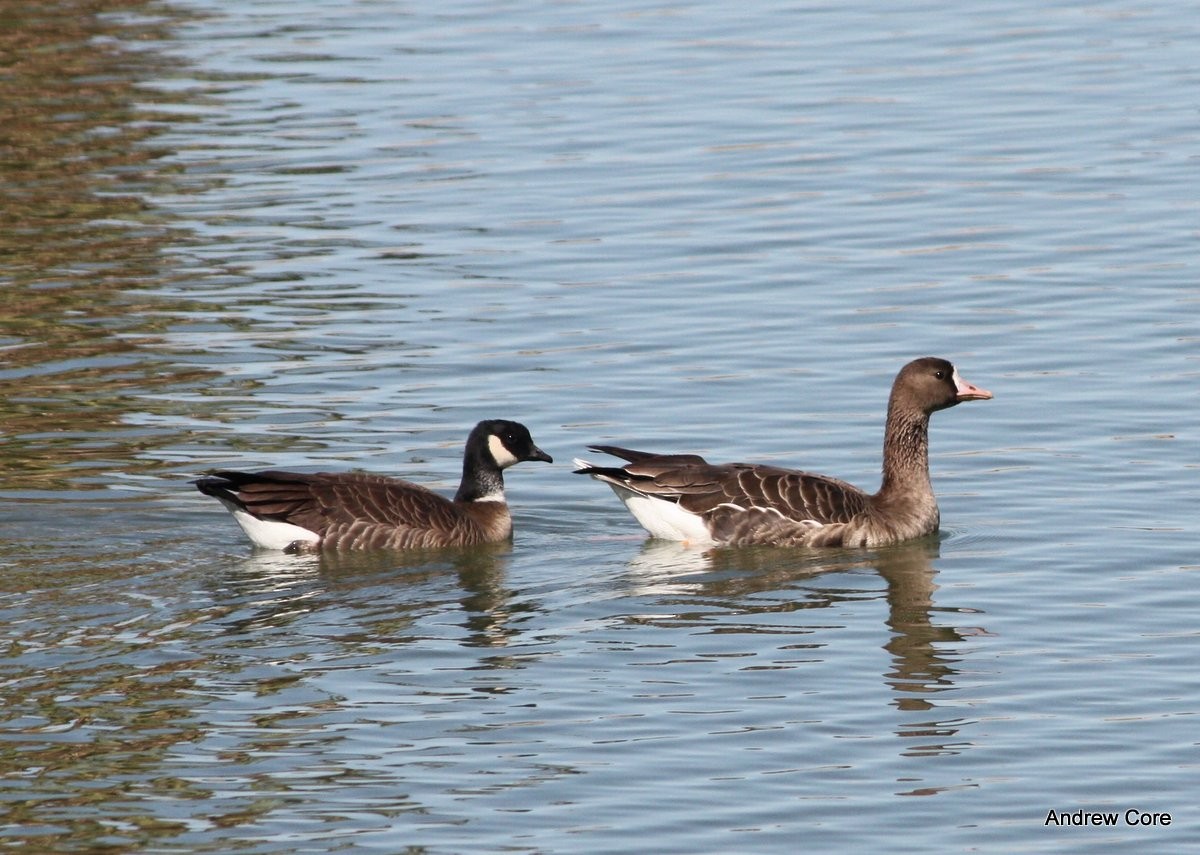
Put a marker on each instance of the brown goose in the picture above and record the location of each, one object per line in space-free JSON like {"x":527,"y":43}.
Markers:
{"x":683,"y":497}
{"x":298,"y":512}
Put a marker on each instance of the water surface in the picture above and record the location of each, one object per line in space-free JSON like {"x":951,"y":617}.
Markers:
{"x":335,"y":235}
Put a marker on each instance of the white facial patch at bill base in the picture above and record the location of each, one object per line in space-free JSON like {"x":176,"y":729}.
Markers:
{"x":965,"y":391}
{"x":500,"y":453}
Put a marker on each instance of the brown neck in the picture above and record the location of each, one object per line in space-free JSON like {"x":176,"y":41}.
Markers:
{"x":905,"y":454}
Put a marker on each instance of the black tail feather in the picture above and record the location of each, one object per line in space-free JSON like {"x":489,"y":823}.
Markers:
{"x":638,"y":456}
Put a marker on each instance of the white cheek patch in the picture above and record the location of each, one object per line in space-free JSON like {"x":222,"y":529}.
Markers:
{"x":503,"y":457}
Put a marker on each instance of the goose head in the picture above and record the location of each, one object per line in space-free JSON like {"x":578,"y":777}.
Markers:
{"x":929,"y":384}
{"x":505,"y":443}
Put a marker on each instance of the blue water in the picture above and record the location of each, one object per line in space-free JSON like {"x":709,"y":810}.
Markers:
{"x":681,"y":227}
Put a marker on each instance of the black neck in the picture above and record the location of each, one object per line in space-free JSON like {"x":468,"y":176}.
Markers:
{"x":481,"y":476}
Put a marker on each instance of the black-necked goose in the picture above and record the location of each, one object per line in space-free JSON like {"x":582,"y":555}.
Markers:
{"x":296,"y":512}
{"x":683,"y":497}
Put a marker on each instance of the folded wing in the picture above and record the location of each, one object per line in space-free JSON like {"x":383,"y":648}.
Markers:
{"x":739,"y":501}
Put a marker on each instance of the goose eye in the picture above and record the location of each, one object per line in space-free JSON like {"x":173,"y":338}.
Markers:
{"x":941,"y":375}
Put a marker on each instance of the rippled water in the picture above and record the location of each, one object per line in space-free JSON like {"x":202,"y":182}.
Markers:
{"x":335,"y":235}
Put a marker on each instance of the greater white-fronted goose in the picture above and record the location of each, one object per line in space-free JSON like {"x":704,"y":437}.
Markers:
{"x":683,"y":497}
{"x":300,"y":512}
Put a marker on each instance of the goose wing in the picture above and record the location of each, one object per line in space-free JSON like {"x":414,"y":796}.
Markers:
{"x":325,"y":500}
{"x":701,"y":487}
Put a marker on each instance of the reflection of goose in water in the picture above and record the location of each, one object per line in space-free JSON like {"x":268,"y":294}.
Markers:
{"x":745,"y":590}
{"x":276,"y":589}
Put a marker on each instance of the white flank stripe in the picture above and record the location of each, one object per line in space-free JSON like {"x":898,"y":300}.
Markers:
{"x":661,"y":518}
{"x":269,"y":534}
{"x":664,"y":519}
{"x":272,"y":534}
